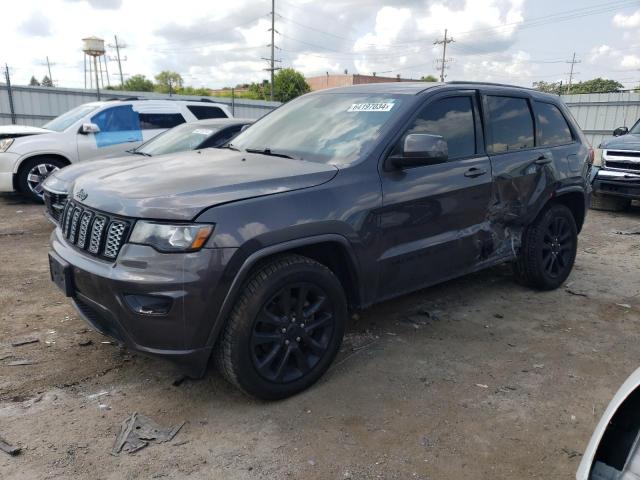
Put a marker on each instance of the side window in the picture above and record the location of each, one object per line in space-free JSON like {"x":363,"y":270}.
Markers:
{"x":117,"y":125}
{"x":510,"y":124}
{"x":153,"y":121}
{"x":202,"y":113}
{"x":451,"y":118}
{"x":552,"y":127}
{"x":117,"y":119}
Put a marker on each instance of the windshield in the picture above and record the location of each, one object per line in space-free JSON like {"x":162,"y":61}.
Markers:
{"x":187,"y":136}
{"x":635,"y":128}
{"x":332,"y":128}
{"x":65,"y":120}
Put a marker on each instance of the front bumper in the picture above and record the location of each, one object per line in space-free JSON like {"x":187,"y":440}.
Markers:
{"x":193,"y":282}
{"x":8,"y":163}
{"x":617,"y":183}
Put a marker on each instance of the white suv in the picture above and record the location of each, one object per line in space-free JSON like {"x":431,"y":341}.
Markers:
{"x":88,"y":132}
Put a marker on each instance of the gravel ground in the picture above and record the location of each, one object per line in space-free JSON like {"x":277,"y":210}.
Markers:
{"x":476,"y":378}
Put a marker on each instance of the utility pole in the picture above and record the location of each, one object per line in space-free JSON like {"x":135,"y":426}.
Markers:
{"x":49,"y":69}
{"x":118,"y":46}
{"x":272,"y":61}
{"x":10,"y":93}
{"x":443,"y":42}
{"x":572,"y":62}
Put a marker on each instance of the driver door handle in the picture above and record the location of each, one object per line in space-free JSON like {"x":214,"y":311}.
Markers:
{"x":474,"y":172}
{"x":542,"y":160}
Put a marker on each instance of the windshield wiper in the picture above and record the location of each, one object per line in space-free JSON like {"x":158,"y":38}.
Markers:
{"x":267,"y":151}
{"x":138,"y":152}
{"x":231,"y":146}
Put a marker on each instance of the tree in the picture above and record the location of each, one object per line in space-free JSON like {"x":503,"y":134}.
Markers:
{"x":289,"y":84}
{"x":596,"y":85}
{"x":429,"y":78}
{"x":168,"y":82}
{"x":46,"y":82}
{"x":34,"y":82}
{"x":549,"y":87}
{"x":138,"y":83}
{"x":200,"y":92}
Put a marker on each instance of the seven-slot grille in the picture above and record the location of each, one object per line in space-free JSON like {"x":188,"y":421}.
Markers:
{"x":93,"y":231}
{"x":54,"y":202}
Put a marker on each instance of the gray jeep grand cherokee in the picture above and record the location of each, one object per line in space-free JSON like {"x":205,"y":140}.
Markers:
{"x":255,"y":254}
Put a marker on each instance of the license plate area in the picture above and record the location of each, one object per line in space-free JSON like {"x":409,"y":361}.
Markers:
{"x":61,"y":274}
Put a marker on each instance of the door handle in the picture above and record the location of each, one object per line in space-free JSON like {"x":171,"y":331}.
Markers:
{"x":542,"y":160}
{"x":474,"y":172}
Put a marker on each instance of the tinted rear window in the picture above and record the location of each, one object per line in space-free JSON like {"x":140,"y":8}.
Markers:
{"x":202,"y":113}
{"x":511,"y":124}
{"x":552,"y":126}
{"x":151,"y":121}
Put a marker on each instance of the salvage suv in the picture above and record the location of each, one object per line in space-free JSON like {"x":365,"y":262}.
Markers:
{"x":255,"y":254}
{"x":617,"y":181}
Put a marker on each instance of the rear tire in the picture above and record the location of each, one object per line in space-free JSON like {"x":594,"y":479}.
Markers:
{"x":609,"y":203}
{"x":285,"y":329}
{"x":548,"y":251}
{"x":33,"y":172}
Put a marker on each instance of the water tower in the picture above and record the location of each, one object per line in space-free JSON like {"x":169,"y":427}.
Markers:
{"x":94,"y":47}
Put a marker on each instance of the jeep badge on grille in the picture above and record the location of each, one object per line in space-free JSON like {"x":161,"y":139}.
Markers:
{"x":81,"y":195}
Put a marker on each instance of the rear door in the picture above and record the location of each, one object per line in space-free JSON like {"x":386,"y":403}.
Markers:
{"x":434,"y":217}
{"x":522,"y":170}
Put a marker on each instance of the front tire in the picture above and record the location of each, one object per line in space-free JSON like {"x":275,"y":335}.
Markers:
{"x":548,"y":251}
{"x":33,"y":172}
{"x":285,"y":329}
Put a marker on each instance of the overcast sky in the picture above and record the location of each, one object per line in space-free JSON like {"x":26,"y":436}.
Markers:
{"x":220,"y":43}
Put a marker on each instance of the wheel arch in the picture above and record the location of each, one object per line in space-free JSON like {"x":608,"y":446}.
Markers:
{"x":321,"y":248}
{"x":20,"y":165}
{"x":574,"y":200}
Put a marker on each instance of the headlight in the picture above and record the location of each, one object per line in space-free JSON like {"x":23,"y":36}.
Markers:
{"x":171,"y":238}
{"x":5,"y":143}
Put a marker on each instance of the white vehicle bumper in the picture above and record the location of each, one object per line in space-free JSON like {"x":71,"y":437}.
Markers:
{"x":8,"y":163}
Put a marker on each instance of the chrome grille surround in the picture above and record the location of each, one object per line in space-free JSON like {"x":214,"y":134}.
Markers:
{"x":85,"y":221}
{"x":114,"y":238}
{"x":96,"y":233}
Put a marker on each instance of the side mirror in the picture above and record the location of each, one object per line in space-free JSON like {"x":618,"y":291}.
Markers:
{"x":421,"y":149}
{"x":620,"y":131}
{"x":88,"y":128}
{"x":244,"y":127}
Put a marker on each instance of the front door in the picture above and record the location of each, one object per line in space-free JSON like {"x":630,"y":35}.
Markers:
{"x":434,"y":217}
{"x":119,"y":131}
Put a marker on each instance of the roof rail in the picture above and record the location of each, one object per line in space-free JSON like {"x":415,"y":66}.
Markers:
{"x":128,"y":99}
{"x":462,"y":82}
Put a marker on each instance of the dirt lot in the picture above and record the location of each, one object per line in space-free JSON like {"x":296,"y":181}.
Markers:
{"x":477,"y":378}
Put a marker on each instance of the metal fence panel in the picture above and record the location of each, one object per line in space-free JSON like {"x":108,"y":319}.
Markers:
{"x":35,"y":106}
{"x":598,"y":114}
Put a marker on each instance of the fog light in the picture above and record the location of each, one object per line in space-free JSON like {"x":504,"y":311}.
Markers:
{"x":148,"y":304}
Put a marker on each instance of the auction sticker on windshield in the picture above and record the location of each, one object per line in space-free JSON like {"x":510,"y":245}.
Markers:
{"x":371,"y":107}
{"x":202,"y":131}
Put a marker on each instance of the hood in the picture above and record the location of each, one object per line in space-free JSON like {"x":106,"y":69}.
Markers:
{"x":60,"y":180}
{"x":630,"y":141}
{"x":13,"y":131}
{"x":180,"y":186}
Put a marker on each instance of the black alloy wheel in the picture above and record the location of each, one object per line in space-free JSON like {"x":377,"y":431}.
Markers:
{"x":292,"y":333}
